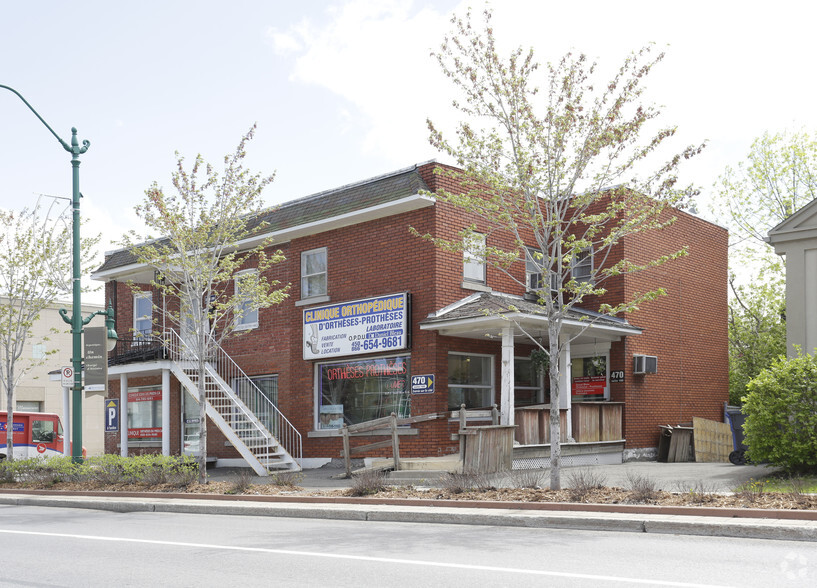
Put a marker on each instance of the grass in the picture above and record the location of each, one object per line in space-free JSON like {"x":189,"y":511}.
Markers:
{"x":784,"y":483}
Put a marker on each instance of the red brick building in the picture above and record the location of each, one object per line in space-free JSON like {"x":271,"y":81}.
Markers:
{"x":373,"y":308}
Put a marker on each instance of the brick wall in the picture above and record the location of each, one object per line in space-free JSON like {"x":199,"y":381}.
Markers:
{"x":686,"y":329}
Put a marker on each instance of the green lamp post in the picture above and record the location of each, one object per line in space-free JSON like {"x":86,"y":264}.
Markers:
{"x":76,"y":320}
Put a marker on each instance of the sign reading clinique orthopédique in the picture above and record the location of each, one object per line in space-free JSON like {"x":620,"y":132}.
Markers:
{"x":372,"y":325}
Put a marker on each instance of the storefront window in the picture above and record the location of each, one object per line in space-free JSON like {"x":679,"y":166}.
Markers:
{"x":145,"y":414}
{"x":260,"y":404}
{"x":353,"y":392}
{"x":191,"y":427}
{"x":589,"y":378}
{"x":470,"y":381}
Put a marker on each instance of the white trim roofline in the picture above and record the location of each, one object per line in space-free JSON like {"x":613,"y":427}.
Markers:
{"x":407,"y":204}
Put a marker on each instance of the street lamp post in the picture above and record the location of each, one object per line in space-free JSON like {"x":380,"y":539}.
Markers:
{"x":76,"y":320}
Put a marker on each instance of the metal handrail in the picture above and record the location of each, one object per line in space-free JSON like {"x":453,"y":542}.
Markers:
{"x":259,"y":409}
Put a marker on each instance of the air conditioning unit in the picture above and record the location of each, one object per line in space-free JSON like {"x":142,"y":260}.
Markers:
{"x":645,"y":364}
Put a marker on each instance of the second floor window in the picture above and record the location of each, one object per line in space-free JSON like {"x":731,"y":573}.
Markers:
{"x":534,"y":272}
{"x":142,"y":313}
{"x":473,"y":258}
{"x":582,"y":266}
{"x":247,"y":315}
{"x":313,"y":273}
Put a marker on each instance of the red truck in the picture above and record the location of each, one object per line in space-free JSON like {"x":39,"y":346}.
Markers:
{"x":35,"y":433}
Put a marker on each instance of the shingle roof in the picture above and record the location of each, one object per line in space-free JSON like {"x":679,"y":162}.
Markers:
{"x":321,"y":206}
{"x":493,"y":303}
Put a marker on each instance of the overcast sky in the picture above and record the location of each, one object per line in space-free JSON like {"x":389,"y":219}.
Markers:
{"x":341,"y":90}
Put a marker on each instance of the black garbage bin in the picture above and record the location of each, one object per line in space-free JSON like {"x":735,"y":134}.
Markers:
{"x":736,"y":420}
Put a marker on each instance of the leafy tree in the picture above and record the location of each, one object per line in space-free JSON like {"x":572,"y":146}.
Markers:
{"x":201,"y":229}
{"x":35,"y":268}
{"x":757,"y":332}
{"x":781,"y":414}
{"x":539,"y":169}
{"x":777,"y":178}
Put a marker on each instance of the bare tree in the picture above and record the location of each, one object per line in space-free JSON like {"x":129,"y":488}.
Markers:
{"x":556,"y":173}
{"x":35,"y":268}
{"x":201,"y":232}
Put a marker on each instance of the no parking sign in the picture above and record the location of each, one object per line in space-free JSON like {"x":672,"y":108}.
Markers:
{"x":67,"y":373}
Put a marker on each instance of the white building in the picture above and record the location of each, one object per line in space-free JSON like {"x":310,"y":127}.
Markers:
{"x":796,"y":239}
{"x":37,"y":392}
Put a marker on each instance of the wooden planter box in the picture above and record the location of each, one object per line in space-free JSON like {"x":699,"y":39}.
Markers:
{"x":597,"y":421}
{"x":488,"y":449}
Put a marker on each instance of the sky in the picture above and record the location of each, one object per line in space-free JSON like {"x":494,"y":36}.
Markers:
{"x":341,"y":90}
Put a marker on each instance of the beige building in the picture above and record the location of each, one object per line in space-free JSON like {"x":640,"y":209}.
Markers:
{"x":38,"y":392}
{"x":796,"y":239}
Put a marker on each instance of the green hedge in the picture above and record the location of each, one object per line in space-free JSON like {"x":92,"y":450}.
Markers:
{"x":781,"y":414}
{"x":103,"y":470}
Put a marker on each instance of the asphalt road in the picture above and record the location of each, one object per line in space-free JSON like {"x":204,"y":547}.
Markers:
{"x":73,"y":547}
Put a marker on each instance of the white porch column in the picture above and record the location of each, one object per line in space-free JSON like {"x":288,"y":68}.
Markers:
{"x":165,"y":412}
{"x":506,"y":389}
{"x":123,"y":415}
{"x":565,"y":384}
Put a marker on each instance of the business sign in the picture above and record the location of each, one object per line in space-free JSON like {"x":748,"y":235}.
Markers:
{"x":589,"y":385}
{"x":144,"y":409}
{"x":372,"y":325}
{"x":422,"y":384}
{"x":96,"y":359}
{"x":111,"y":415}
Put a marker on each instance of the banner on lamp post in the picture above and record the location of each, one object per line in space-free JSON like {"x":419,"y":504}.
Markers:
{"x":96,"y":359}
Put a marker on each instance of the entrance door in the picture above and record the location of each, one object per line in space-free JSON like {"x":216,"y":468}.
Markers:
{"x":191,"y":426}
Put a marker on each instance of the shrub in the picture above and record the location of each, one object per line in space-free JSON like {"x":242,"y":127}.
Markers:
{"x":368,"y":482}
{"x":582,"y":482}
{"x":642,"y":488}
{"x":287,"y":479}
{"x":528,"y":478}
{"x":781,"y":414}
{"x":459,"y":482}
{"x":242,"y":481}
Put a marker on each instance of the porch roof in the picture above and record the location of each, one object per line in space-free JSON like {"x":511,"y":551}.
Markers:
{"x":486,"y":314}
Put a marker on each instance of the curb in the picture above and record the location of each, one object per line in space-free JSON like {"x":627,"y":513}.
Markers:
{"x":635,"y":518}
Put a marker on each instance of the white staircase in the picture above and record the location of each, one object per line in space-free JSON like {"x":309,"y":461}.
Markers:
{"x":248,"y":419}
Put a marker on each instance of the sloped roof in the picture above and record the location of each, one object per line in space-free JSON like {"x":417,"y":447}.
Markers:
{"x":496,"y":308}
{"x":802,"y":224}
{"x":321,"y":206}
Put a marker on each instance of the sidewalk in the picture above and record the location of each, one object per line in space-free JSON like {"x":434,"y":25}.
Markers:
{"x":781,"y":525}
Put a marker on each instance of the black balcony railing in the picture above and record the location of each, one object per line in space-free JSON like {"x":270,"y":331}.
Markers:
{"x":137,"y":349}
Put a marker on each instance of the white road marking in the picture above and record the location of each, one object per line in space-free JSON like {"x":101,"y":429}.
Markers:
{"x":368,"y":558}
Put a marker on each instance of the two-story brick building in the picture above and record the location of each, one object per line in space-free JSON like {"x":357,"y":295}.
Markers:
{"x":372,"y":306}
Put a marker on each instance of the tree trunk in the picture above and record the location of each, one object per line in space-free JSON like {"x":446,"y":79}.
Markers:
{"x":555,"y":396}
{"x":10,"y":414}
{"x":202,"y":420}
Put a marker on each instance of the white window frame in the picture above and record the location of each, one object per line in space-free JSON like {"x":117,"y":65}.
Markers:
{"x":490,"y":387}
{"x":582,"y":263}
{"x":305,"y":276}
{"x":538,"y":388}
{"x":250,"y":316}
{"x":531,"y":265}
{"x":137,"y":318}
{"x":473,"y":258}
{"x":585,"y":355}
{"x":39,"y":350}
{"x":316,"y":385}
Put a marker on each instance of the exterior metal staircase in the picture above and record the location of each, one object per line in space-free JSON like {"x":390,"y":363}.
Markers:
{"x":248,"y":419}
